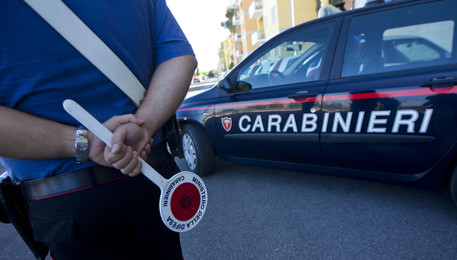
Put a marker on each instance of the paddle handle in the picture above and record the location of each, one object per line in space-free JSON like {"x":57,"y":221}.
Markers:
{"x":99,"y":130}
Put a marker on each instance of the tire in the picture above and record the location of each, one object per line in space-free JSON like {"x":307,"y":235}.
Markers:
{"x":198,"y":150}
{"x":453,"y":186}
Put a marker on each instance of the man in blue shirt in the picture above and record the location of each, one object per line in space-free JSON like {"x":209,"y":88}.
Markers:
{"x":113,"y":217}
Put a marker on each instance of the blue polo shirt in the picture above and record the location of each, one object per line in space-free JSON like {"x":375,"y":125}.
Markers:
{"x":39,"y":69}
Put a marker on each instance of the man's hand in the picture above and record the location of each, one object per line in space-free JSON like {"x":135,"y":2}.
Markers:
{"x":130,"y":141}
{"x":123,"y":153}
{"x":134,"y":135}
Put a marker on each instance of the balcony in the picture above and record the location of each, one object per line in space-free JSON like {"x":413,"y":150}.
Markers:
{"x":235,"y":20}
{"x":237,"y":38}
{"x":258,"y":37}
{"x":255,"y":9}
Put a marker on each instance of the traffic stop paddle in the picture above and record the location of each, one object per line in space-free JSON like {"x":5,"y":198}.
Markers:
{"x":183,"y":197}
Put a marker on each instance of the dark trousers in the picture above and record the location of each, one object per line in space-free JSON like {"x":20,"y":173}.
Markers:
{"x":116,"y":220}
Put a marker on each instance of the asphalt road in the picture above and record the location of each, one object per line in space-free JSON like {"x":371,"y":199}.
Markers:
{"x":198,"y":88}
{"x":259,"y":213}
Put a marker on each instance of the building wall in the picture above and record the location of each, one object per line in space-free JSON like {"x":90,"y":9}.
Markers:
{"x":251,"y":27}
{"x":304,"y":10}
{"x":275,"y":17}
{"x":270,"y":21}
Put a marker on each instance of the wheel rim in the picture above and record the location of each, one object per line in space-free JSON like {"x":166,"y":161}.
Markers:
{"x":189,"y":151}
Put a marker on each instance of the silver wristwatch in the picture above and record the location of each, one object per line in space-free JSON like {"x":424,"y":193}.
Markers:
{"x":81,"y":144}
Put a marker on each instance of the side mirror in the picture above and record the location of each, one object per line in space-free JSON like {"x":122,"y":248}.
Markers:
{"x":242,"y":85}
{"x":225,"y":85}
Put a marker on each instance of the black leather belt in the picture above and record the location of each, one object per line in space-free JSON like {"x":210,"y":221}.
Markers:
{"x":80,"y":180}
{"x":69,"y":182}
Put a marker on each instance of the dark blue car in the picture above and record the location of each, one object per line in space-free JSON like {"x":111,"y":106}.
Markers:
{"x":369,"y":93}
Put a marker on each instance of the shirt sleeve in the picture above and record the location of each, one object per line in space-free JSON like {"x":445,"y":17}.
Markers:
{"x":169,"y":39}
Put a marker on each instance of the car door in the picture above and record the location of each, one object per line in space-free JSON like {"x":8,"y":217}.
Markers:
{"x":390,"y":104}
{"x":268,"y":110}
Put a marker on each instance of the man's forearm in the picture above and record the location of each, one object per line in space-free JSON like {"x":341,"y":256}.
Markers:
{"x":166,"y":91}
{"x":25,"y":136}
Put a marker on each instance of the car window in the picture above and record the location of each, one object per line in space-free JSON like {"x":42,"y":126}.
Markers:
{"x":293,"y":59}
{"x":389,"y":41}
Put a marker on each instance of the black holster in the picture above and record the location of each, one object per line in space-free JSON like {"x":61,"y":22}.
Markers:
{"x":173,"y":134}
{"x":13,"y":210}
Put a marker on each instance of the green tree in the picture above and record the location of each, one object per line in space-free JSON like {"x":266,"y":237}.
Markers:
{"x":228,"y":24}
{"x":226,"y":55}
{"x":212,"y":73}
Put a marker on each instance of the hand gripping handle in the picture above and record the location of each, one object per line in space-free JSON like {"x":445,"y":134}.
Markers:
{"x":99,"y":130}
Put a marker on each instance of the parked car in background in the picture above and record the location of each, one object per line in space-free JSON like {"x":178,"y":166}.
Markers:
{"x":195,"y":79}
{"x":369,"y":93}
{"x":282,"y":64}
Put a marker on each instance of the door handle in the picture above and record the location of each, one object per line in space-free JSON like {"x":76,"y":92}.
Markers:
{"x":302,"y":94}
{"x":439,"y":82}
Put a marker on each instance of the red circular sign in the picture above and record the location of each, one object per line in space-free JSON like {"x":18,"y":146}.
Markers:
{"x":185,"y":201}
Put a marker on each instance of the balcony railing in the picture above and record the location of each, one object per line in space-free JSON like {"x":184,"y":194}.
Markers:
{"x":258,"y":37}
{"x":255,"y":9}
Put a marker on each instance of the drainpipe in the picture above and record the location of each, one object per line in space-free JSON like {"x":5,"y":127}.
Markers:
{"x":292,"y":16}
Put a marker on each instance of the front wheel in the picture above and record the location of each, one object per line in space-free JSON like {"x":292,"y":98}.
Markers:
{"x":198,"y":150}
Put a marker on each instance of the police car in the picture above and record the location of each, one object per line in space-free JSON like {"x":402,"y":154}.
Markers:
{"x":368,"y":93}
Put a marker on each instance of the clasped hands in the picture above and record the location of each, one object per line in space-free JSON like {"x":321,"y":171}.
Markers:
{"x":131,"y":140}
